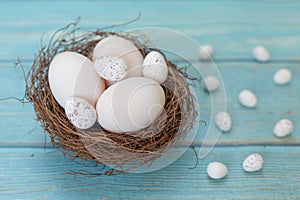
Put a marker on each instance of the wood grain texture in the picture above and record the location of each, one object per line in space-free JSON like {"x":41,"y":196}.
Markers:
{"x":232,"y":27}
{"x":34,"y":174}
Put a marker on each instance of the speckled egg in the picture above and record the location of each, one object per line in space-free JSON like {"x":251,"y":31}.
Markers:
{"x":283,"y":128}
{"x":111,"y":68}
{"x":155,"y":67}
{"x":223,"y":121}
{"x":80,"y":113}
{"x":252,"y":163}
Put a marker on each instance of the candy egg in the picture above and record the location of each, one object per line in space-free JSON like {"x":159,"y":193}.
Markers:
{"x":223,"y":121}
{"x":254,"y":162}
{"x":282,"y":76}
{"x":80,"y":113}
{"x":130,"y":105}
{"x":111,"y":68}
{"x":216,"y":170}
{"x":283,"y":128}
{"x":72,"y":74}
{"x":155,"y":67}
{"x":260,"y":53}
{"x":205,"y":52}
{"x":122,"y":48}
{"x":247,"y":98}
{"x":211,"y":83}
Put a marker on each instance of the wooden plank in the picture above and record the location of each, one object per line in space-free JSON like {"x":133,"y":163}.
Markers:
{"x":34,"y":174}
{"x":250,"y":126}
{"x":232,"y":27}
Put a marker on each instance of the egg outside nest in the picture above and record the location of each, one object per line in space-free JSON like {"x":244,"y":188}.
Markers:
{"x":128,"y":149}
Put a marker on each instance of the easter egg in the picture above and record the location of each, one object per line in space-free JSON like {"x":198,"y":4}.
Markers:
{"x":216,"y":170}
{"x":205,"y":52}
{"x":155,"y":67}
{"x":247,"y":98}
{"x":260,"y":54}
{"x":80,"y":113}
{"x":111,"y":68}
{"x":122,"y":48}
{"x":72,"y":74}
{"x":282,"y":76}
{"x":252,"y":163}
{"x":130,"y":105}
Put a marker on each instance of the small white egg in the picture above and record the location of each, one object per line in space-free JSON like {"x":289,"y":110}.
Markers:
{"x":282,"y":76}
{"x":80,"y":113}
{"x":211,"y":83}
{"x":283,"y":128}
{"x":205,"y":52}
{"x":111,"y":68}
{"x":252,"y":163}
{"x":261,"y":54}
{"x":155,"y":67}
{"x":247,"y":98}
{"x":216,"y":170}
{"x":223,"y":121}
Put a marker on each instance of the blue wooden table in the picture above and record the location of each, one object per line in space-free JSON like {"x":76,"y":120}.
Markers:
{"x":28,"y":171}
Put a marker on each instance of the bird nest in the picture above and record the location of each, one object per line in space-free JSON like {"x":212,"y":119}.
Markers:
{"x":97,"y":144}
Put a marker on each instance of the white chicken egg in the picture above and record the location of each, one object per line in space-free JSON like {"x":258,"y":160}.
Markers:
{"x":72,"y":74}
{"x":111,"y":68}
{"x":155,"y":67}
{"x":130,"y":105}
{"x":122,"y":48}
{"x":80,"y":113}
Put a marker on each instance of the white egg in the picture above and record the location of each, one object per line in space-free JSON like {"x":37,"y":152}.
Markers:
{"x":122,"y":48}
{"x":211,"y":83}
{"x":261,"y":54}
{"x":216,"y":170}
{"x":282,"y":76}
{"x":223,"y":121}
{"x":111,"y":68}
{"x":247,"y":98}
{"x":254,"y":162}
{"x":130,"y":105}
{"x":283,"y":128}
{"x":72,"y":74}
{"x":80,"y":113}
{"x":205,"y":52}
{"x":155,"y":67}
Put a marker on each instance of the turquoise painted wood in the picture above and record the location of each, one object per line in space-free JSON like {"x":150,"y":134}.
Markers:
{"x":35,"y":174}
{"x":234,"y":27}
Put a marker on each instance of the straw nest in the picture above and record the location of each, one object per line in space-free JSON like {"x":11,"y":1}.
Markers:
{"x":97,"y":144}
